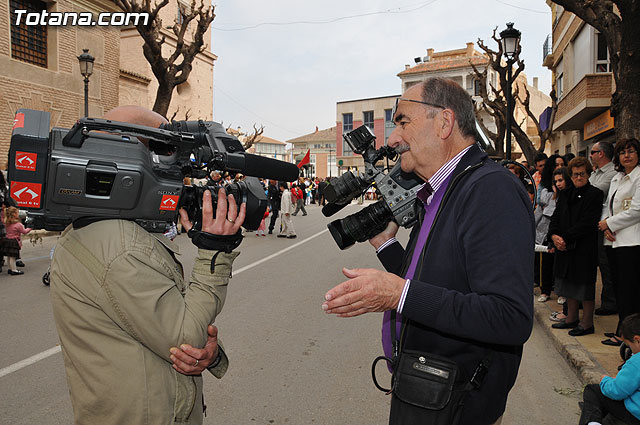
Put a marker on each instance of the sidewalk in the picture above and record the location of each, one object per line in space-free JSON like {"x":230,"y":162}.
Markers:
{"x":585,"y":354}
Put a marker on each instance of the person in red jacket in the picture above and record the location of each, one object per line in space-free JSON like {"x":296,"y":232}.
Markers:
{"x":299,"y":194}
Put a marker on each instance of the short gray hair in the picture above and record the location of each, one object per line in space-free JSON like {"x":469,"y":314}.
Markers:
{"x":449,"y":94}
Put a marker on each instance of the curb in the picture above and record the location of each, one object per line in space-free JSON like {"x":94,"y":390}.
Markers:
{"x":587,"y":368}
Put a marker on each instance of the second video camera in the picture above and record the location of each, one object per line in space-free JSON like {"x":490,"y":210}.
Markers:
{"x":397,"y":189}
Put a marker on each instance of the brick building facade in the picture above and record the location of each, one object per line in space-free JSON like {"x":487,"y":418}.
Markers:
{"x":121,"y":74}
{"x":55,"y":85}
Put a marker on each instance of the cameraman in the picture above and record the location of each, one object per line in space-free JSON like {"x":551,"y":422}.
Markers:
{"x":463,"y":285}
{"x":122,"y":307}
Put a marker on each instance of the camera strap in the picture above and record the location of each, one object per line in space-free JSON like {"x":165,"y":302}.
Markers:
{"x":220,"y":243}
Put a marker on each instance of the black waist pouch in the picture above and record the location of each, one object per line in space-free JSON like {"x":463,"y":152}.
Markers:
{"x":427,"y":389}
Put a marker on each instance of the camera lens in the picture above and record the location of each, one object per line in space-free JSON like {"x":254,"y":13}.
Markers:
{"x":360,"y":226}
{"x":345,"y":188}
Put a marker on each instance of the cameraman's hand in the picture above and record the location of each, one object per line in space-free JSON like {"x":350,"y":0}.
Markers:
{"x":389,"y":232}
{"x":227,"y":220}
{"x":193,"y":361}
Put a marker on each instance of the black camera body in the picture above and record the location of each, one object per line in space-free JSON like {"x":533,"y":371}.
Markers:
{"x":397,"y":189}
{"x":99,"y":169}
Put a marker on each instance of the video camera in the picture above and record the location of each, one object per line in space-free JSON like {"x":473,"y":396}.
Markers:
{"x":397,"y":188}
{"x":99,"y":169}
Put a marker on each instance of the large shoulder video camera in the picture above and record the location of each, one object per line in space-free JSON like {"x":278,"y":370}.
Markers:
{"x":397,"y":188}
{"x":100,"y":169}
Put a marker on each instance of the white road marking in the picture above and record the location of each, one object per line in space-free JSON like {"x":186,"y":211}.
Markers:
{"x":31,"y":360}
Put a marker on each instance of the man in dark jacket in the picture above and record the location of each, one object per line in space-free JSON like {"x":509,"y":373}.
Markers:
{"x":463,"y":285}
{"x":274,"y":195}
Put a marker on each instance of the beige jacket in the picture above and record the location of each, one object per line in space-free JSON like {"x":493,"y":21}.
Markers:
{"x":120,"y":302}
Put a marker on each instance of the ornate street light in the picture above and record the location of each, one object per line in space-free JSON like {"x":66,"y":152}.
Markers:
{"x":510,"y":40}
{"x":86,"y":69}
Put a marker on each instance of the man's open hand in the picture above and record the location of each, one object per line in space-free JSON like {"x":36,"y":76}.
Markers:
{"x":366,"y":291}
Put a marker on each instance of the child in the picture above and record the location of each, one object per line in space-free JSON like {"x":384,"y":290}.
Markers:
{"x":263,"y":226}
{"x":620,"y":396}
{"x":12,"y":243}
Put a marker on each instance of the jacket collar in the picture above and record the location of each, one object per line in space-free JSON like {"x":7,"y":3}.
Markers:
{"x":473,"y":156}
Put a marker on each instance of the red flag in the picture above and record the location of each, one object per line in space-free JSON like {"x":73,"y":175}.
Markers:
{"x":306,"y":159}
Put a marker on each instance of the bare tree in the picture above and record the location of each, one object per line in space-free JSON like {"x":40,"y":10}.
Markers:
{"x":189,"y":31}
{"x":253,"y":137}
{"x":494,"y":102}
{"x":247,"y":140}
{"x":618,"y":21}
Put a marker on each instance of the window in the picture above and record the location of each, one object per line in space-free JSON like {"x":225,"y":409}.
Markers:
{"x":28,"y":43}
{"x":476,"y":87}
{"x":367,"y":118}
{"x":347,"y":126}
{"x":559,"y":85}
{"x":317,"y":145}
{"x":183,"y":10}
{"x":602,"y":54}
{"x":388,"y":117}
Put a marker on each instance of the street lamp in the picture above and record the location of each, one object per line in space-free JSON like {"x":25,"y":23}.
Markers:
{"x":510,"y":40}
{"x":86,"y":69}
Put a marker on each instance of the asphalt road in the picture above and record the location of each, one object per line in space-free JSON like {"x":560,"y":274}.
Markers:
{"x":290,"y":362}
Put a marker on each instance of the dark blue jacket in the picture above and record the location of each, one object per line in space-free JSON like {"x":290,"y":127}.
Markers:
{"x":473,"y":287}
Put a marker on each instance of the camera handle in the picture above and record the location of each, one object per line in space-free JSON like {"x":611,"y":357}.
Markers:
{"x":76,"y":136}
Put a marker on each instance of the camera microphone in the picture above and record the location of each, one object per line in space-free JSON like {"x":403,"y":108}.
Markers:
{"x":269,"y":168}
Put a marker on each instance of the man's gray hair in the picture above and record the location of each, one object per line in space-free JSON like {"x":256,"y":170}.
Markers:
{"x":449,"y":94}
{"x":606,"y":148}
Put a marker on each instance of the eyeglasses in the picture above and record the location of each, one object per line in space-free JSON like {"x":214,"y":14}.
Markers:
{"x":594,"y":151}
{"x":395,"y":108}
{"x":627,"y":152}
{"x":580,"y":174}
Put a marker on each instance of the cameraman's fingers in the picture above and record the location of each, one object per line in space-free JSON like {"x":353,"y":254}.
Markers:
{"x":184,"y":219}
{"x":232,"y":211}
{"x":207,"y":209}
{"x":241,"y":216}
{"x":221,"y":210}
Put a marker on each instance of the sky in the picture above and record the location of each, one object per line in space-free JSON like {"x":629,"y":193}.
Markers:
{"x":284,"y":64}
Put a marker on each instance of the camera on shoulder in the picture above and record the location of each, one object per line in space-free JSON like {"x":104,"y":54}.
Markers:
{"x":99,"y":169}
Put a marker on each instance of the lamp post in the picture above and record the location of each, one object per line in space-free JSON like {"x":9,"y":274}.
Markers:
{"x":510,"y":40}
{"x":86,"y":69}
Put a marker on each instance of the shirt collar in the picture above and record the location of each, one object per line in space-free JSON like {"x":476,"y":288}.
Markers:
{"x":443,"y":173}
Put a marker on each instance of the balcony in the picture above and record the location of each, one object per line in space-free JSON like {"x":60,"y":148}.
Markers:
{"x":547,"y":47}
{"x":591,"y":96}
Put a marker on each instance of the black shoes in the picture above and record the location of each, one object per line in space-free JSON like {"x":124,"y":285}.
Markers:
{"x":17,"y":272}
{"x":579,"y":331}
{"x":292,"y":236}
{"x":604,"y":312}
{"x":565,"y":325}
{"x":282,"y":235}
{"x":612,"y":341}
{"x":19,"y":263}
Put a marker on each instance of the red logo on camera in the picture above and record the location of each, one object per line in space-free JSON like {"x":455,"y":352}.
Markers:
{"x":26,"y":161}
{"x":26,"y":194}
{"x":169,"y":202}
{"x":18,"y":121}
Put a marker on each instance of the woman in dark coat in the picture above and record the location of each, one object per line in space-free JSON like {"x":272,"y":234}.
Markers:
{"x":574,"y":233}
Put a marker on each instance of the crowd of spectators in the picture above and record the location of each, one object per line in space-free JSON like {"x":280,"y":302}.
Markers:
{"x":587,"y":215}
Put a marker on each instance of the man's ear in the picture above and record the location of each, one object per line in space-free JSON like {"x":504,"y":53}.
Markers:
{"x":446,"y":123}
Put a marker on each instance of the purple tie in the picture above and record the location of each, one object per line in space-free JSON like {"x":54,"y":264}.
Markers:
{"x":430,"y":214}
